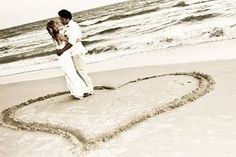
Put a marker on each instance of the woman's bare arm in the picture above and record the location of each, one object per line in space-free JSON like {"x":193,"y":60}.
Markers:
{"x":62,"y":37}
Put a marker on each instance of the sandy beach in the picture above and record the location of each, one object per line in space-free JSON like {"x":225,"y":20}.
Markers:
{"x":159,"y":107}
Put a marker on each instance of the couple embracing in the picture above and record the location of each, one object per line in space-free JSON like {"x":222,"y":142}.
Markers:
{"x":66,"y":35}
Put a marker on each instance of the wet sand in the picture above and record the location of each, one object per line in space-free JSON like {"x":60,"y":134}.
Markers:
{"x":136,"y":119}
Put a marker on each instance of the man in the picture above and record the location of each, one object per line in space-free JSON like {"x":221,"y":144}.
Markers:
{"x":73,"y":33}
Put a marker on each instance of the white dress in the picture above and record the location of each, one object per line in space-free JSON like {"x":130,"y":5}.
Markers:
{"x":74,"y":83}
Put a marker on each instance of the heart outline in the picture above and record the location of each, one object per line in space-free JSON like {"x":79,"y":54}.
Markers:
{"x":205,"y":85}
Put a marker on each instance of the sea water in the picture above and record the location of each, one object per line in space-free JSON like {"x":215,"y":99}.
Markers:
{"x":120,"y":29}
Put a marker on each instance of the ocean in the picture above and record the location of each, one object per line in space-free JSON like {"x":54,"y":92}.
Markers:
{"x":126,"y":28}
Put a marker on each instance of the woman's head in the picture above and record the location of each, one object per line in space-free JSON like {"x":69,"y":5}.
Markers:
{"x":52,"y":27}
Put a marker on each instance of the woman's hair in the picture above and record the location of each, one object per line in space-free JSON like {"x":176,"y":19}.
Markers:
{"x":65,"y":14}
{"x":51,"y":28}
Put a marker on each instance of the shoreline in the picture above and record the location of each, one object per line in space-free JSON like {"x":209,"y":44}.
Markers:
{"x":175,"y":55}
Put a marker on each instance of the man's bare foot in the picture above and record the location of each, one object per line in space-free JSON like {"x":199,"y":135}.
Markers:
{"x":87,"y":94}
{"x":76,"y":98}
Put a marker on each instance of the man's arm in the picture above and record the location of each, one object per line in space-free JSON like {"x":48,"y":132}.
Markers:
{"x":73,"y":32}
{"x":66,"y":47}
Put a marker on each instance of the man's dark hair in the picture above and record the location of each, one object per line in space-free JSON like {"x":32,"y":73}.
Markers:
{"x":65,"y":14}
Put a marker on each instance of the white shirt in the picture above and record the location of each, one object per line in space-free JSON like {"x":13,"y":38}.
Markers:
{"x":73,"y":32}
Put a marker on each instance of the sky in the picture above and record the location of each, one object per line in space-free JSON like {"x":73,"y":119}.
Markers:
{"x":17,"y":12}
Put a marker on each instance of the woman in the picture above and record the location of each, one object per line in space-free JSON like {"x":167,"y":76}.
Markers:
{"x":74,"y":83}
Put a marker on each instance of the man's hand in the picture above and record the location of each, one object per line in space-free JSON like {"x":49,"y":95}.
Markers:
{"x":59,"y":52}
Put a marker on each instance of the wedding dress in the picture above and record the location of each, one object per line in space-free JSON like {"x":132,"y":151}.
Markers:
{"x":74,"y":83}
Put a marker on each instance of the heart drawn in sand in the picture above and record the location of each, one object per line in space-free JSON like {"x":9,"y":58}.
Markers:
{"x":124,"y":106}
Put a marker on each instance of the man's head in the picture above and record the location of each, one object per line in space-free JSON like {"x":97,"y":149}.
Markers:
{"x":65,"y":16}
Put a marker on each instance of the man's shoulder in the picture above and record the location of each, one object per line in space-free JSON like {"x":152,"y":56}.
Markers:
{"x":73,"y":24}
